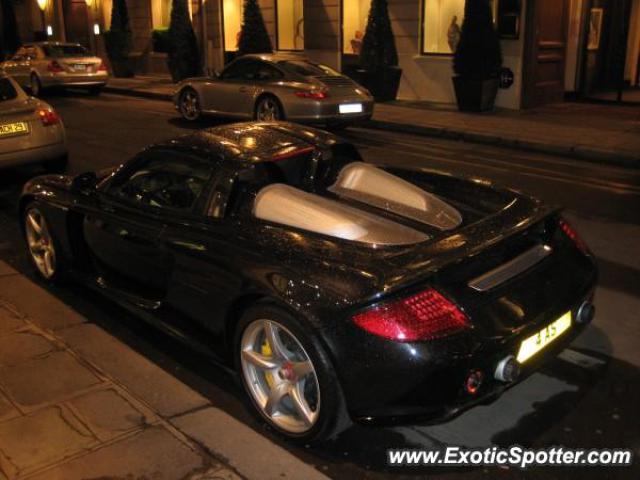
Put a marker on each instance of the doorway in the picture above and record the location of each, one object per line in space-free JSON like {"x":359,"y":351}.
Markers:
{"x":545,"y":52}
{"x":76,"y":22}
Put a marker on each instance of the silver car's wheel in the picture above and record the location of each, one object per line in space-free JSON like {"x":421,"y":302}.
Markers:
{"x":40,"y":242}
{"x":280,"y":376}
{"x":190,"y":105}
{"x":268,"y":110}
{"x":35,"y":86}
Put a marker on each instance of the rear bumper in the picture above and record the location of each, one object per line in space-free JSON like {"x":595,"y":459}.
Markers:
{"x":74,"y":80}
{"x":33,"y":155}
{"x":323,"y":111}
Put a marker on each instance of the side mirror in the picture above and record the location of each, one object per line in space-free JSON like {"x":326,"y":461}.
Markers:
{"x":85,"y":183}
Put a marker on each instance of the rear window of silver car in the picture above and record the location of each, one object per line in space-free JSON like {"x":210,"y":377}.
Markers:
{"x":7,"y":90}
{"x":307,"y":69}
{"x":62,"y":51}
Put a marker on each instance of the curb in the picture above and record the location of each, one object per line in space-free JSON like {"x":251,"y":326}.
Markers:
{"x":137,"y":93}
{"x":577,"y":152}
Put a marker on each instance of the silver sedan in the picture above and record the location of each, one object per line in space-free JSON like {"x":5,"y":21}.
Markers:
{"x":276,"y":87}
{"x":42,"y":65}
{"x":30,"y":130}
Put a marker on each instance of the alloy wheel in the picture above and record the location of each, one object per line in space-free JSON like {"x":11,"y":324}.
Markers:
{"x":40,"y":243}
{"x":280,"y":376}
{"x":268,"y":110}
{"x":189,"y":105}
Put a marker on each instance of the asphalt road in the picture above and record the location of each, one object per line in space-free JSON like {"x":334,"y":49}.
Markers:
{"x":587,"y":398}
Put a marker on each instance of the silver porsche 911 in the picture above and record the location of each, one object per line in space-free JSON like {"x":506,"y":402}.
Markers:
{"x":270,"y":87}
{"x":30,"y":130}
{"x":41,"y":65}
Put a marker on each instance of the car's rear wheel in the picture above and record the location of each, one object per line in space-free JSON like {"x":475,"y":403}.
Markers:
{"x":268,"y":109}
{"x":42,"y":245}
{"x":35,"y":85}
{"x":288,"y":378}
{"x":189,"y":105}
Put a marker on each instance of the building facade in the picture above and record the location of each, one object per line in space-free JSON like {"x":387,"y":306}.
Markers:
{"x":551,"y":48}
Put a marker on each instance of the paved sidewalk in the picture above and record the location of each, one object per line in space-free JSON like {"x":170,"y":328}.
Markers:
{"x":76,"y":403}
{"x":594,"y":132}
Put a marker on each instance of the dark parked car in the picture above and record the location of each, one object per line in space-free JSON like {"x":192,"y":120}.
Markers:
{"x":336,"y":289}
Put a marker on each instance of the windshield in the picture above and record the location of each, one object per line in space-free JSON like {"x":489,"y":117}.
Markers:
{"x":7,"y":90}
{"x":62,"y":51}
{"x":308,"y":69}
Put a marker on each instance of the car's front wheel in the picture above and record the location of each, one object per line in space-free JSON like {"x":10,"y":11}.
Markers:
{"x":42,"y":246}
{"x":189,"y":105}
{"x":268,"y":109}
{"x":288,"y":378}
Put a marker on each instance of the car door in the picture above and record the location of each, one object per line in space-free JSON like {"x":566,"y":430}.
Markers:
{"x":18,"y":66}
{"x":233,"y":92}
{"x":123,"y":234}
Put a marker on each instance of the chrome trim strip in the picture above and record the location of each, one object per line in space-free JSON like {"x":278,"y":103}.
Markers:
{"x":508,"y":270}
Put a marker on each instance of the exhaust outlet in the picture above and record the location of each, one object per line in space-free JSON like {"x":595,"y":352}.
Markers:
{"x":586,"y":312}
{"x":507,"y":370}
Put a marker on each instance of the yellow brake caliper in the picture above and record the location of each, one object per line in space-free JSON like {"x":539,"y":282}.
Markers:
{"x":265,"y":349}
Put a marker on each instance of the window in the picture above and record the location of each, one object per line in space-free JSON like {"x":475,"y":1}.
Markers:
{"x":165,"y":180}
{"x":7,"y":91}
{"x":63,"y":51}
{"x":161,"y":13}
{"x":232,"y":17}
{"x":267,"y":73}
{"x":307,"y":69}
{"x":442,"y":22}
{"x":354,"y":24}
{"x":240,"y":70}
{"x":290,"y":25}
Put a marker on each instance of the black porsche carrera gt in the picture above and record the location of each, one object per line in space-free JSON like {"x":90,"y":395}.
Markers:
{"x":336,"y":289}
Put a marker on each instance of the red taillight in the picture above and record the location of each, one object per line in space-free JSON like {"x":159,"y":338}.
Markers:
{"x":424,"y":316}
{"x":54,"y":67}
{"x":570,"y":232}
{"x":48,"y":117}
{"x":291,"y":152}
{"x":102,"y":67}
{"x":313,"y":94}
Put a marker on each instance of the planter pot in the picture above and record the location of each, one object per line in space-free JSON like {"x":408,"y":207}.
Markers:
{"x":475,"y":95}
{"x":383,"y":83}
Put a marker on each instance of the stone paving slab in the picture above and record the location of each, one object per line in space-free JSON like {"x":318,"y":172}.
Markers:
{"x":33,"y":441}
{"x":7,"y":410}
{"x":154,"y":454}
{"x":250,"y":453}
{"x":36,"y":303}
{"x":9,"y":321}
{"x":6,"y":269}
{"x":46,"y":380}
{"x":160,"y":390}
{"x":22,"y":346}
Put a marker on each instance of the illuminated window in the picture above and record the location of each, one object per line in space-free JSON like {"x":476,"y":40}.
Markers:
{"x":232,"y":14}
{"x":442,"y":22}
{"x":161,"y":13}
{"x":290,"y":25}
{"x":354,"y":23}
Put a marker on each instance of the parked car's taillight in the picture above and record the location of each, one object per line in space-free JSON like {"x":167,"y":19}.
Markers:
{"x":48,"y":117}
{"x":54,"y":67}
{"x":570,"y":232}
{"x":423,"y":316}
{"x":313,"y":94}
{"x":102,"y":67}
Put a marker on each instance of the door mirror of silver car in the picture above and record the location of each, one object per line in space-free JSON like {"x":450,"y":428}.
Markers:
{"x":85,"y":183}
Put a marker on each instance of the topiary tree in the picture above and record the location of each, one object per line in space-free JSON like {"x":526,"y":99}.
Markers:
{"x":10,"y":37}
{"x":118,"y":39}
{"x":378,"y":45}
{"x":253,"y":34}
{"x":184,"y":56}
{"x":479,"y":55}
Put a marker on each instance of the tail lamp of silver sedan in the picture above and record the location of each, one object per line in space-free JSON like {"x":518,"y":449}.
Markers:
{"x":276,"y":87}
{"x":43,"y":65}
{"x":30,"y":130}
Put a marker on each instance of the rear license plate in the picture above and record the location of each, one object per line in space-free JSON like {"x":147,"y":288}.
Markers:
{"x":350,"y":108}
{"x":80,"y":67}
{"x":17,"y":128}
{"x":535,"y":343}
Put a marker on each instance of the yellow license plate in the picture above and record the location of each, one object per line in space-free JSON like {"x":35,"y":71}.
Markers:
{"x":13,"y":128}
{"x":535,"y":343}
